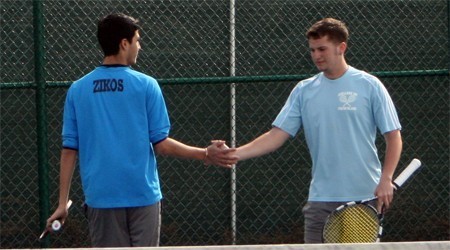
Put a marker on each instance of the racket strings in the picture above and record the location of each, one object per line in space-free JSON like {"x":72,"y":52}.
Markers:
{"x":352,"y":224}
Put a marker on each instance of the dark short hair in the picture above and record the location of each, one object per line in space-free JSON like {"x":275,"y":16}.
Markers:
{"x":336,"y":30}
{"x":112,"y":29}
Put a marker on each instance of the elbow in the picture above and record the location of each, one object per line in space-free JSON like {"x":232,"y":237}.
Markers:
{"x":161,"y":148}
{"x":394,"y":138}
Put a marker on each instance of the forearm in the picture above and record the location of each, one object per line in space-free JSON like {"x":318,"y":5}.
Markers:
{"x":262,"y":145}
{"x":384,"y":190}
{"x":68,"y":160}
{"x":215,"y":154}
{"x":171,"y":147}
{"x":394,"y":147}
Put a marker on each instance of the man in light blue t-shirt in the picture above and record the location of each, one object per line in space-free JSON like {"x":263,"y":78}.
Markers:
{"x":340,"y":111}
{"x":115,"y":121}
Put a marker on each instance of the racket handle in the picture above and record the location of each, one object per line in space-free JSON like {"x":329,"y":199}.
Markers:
{"x":56,"y":224}
{"x":69,"y":203}
{"x":405,"y":174}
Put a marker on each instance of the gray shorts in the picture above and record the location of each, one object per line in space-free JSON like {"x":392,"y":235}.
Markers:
{"x":125,"y":227}
{"x":316,"y":214}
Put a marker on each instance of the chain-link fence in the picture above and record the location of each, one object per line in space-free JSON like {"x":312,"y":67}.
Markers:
{"x":226,"y":68}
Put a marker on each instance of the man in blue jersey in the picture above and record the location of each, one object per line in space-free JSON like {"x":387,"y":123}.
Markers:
{"x":340,"y":110}
{"x":115,"y":121}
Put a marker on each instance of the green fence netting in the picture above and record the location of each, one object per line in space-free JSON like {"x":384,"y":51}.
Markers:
{"x":226,"y":68}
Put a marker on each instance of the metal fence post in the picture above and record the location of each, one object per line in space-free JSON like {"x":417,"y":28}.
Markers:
{"x":233,"y":115}
{"x":41,"y":113}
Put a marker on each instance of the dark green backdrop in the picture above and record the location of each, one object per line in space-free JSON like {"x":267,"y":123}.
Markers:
{"x":45,"y":45}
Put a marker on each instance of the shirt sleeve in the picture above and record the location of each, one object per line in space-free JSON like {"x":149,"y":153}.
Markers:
{"x":290,"y":117}
{"x":157,"y":115}
{"x":385,"y":114}
{"x":70,"y":128}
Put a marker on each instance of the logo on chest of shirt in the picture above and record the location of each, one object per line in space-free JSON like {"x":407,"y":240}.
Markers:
{"x":347,"y":98}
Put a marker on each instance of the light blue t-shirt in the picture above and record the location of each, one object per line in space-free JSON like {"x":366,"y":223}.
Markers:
{"x":112,"y":116}
{"x":340,"y":119}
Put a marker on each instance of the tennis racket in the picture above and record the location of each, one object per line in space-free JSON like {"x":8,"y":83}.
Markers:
{"x":358,"y":221}
{"x":56,"y":224}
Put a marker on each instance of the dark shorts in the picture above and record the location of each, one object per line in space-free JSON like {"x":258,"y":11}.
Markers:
{"x":125,"y":227}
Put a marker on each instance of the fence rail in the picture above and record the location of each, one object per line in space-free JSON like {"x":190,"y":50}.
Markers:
{"x":238,"y":79}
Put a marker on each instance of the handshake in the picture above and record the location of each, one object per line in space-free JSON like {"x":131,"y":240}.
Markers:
{"x":218,"y":153}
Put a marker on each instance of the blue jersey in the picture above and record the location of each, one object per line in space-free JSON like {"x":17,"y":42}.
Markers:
{"x":340,"y":119}
{"x":112,"y":116}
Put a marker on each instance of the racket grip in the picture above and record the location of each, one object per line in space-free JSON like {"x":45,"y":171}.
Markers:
{"x":56,"y":224}
{"x":405,"y":174}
